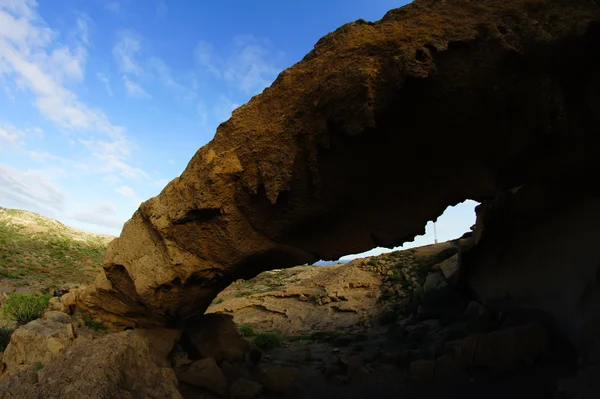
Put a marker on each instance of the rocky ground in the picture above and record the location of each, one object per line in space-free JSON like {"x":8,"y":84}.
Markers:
{"x":39,"y":254}
{"x":396,"y":325}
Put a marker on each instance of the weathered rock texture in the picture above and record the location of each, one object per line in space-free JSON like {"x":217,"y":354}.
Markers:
{"x":376,"y":131}
{"x":120,"y":365}
{"x":303,"y":299}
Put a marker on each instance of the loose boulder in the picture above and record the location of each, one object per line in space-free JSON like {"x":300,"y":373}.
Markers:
{"x":216,"y":336}
{"x":38,"y":341}
{"x":205,"y":373}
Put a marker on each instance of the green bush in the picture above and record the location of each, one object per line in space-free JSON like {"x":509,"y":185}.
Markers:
{"x":246,"y":331}
{"x":267,"y":340}
{"x":25,"y":308}
{"x":94,"y":325}
{"x":5,"y":334}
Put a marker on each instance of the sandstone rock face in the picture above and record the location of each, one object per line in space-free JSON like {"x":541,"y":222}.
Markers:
{"x":460,"y":98}
{"x":118,"y":365}
{"x":303,"y":299}
{"x":205,"y":373}
{"x":36,"y":342}
{"x":217,"y":337}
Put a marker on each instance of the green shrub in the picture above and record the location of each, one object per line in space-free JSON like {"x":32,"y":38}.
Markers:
{"x":5,"y":334}
{"x":246,"y":331}
{"x":267,"y":340}
{"x":92,"y":324}
{"x":25,"y":308}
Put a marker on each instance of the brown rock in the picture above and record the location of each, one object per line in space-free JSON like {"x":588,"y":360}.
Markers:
{"x":278,"y":378}
{"x":205,"y":373}
{"x":448,"y":367}
{"x":373,"y":89}
{"x":56,"y":305}
{"x":117,"y":365}
{"x":475,"y":310}
{"x":170,"y":375}
{"x":464,"y":348}
{"x":450,"y":268}
{"x":244,"y":389}
{"x":216,"y":336}
{"x":422,"y":371}
{"x":58,"y":317}
{"x":36,"y":342}
{"x":352,"y":363}
{"x":162,"y":340}
{"x":505,"y":349}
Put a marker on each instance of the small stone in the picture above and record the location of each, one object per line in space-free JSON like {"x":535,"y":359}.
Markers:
{"x":303,"y":298}
{"x":434,"y":281}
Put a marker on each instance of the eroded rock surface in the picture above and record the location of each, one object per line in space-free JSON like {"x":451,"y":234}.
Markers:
{"x":376,"y":131}
{"x":119,"y":365}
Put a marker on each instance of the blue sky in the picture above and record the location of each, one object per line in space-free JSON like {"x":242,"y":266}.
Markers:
{"x":103,"y":102}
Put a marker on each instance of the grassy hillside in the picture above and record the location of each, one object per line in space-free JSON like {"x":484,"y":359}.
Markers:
{"x":41,"y":253}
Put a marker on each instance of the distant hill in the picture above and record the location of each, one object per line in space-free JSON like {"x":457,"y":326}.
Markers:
{"x":38,"y":253}
{"x":330,"y":262}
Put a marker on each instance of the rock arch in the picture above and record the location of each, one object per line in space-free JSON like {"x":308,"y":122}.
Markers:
{"x":376,"y":131}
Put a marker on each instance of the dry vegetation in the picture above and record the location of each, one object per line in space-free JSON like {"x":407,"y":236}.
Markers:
{"x":43,"y":254}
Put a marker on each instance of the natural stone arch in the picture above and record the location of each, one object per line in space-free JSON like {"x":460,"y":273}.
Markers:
{"x":375,"y":132}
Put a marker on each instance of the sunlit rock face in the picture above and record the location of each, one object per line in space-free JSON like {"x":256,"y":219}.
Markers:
{"x":376,"y":131}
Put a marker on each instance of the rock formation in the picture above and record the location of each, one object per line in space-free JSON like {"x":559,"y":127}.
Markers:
{"x":376,"y":131}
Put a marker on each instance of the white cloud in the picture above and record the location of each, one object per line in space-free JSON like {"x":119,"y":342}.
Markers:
{"x":10,"y":136}
{"x":134,"y":89}
{"x":165,"y":76}
{"x":30,"y":57}
{"x":30,"y":188}
{"x":100,"y":214}
{"x":113,"y":7}
{"x":126,"y":52}
{"x":104,"y":79}
{"x":250,"y":67}
{"x":42,"y":156}
{"x":128,"y":192}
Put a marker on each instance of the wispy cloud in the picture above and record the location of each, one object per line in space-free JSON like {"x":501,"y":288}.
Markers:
{"x":104,"y":79}
{"x":249,"y":67}
{"x":166,"y":77}
{"x":100,"y":214}
{"x":134,"y":89}
{"x":42,"y":156}
{"x":126,"y":52}
{"x":11,"y":137}
{"x":30,"y":187}
{"x":129,"y":192}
